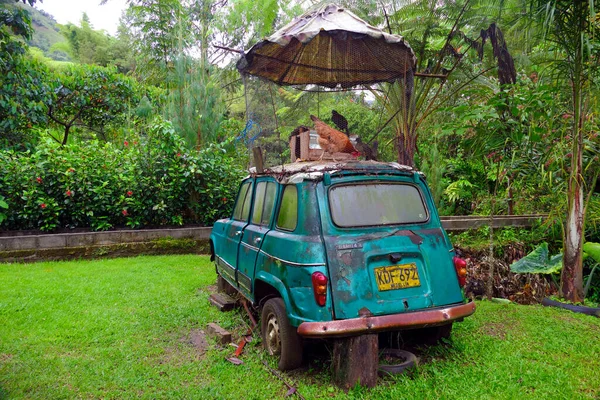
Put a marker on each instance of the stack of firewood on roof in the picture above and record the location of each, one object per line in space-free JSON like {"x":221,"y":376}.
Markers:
{"x":336,"y":144}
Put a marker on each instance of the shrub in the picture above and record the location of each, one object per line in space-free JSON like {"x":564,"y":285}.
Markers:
{"x":146,"y":181}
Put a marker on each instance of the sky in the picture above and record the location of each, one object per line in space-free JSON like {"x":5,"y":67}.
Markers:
{"x":101,"y":17}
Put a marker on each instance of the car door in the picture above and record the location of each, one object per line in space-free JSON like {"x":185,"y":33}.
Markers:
{"x":234,"y":228}
{"x":254,"y":232}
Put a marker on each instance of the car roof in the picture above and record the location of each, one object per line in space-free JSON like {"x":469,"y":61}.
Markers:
{"x":314,"y":170}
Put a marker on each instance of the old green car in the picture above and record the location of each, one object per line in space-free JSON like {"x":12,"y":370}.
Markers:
{"x":335,"y":249}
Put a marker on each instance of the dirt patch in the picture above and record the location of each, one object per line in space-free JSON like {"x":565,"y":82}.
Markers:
{"x":494,"y":330}
{"x":191,"y":347}
{"x":5,"y":357}
{"x":210,"y":289}
{"x":197,"y":338}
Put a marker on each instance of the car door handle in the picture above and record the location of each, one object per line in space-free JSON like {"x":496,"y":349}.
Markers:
{"x":238,"y":233}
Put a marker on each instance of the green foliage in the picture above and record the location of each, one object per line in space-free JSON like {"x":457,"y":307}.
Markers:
{"x":157,"y":29}
{"x":91,"y":97}
{"x":46,"y":34}
{"x":248,"y":21}
{"x":458,"y":190}
{"x":89,"y":46}
{"x":592,"y":250}
{"x":538,"y":262}
{"x":3,"y":207}
{"x":193,"y":104}
{"x":25,"y":95}
{"x":148,"y":181}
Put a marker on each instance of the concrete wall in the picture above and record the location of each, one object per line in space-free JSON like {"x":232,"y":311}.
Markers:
{"x":61,"y":246}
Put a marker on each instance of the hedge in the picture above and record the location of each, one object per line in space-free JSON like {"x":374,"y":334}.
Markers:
{"x":148,"y":181}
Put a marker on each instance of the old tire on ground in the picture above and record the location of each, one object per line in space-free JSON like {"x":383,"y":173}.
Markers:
{"x":433,"y":336}
{"x":280,"y":339}
{"x":409,"y":360}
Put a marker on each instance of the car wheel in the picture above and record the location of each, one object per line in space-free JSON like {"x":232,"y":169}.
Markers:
{"x":280,"y":339}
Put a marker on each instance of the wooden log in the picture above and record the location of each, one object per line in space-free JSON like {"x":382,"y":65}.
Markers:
{"x":223,"y":301}
{"x":356,"y":360}
{"x":225,"y":287}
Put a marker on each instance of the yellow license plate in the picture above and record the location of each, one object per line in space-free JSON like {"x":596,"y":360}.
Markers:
{"x":397,"y":277}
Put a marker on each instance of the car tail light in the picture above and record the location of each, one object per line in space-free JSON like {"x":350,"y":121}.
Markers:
{"x":461,"y":270}
{"x":319,"y":282}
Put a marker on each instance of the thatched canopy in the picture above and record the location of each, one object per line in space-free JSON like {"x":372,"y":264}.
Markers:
{"x":329,"y":46}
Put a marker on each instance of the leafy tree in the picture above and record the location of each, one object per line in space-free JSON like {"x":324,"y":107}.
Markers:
{"x":91,"y":97}
{"x":571,"y":28}
{"x":157,"y":28}
{"x":90,"y":46}
{"x":194,"y":105}
{"x":23,"y":89}
{"x":435,"y":32}
{"x":24,"y":99}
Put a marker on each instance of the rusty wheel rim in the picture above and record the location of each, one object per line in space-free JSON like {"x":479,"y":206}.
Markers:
{"x":272,"y":336}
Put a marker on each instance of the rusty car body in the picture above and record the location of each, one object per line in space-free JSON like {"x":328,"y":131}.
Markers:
{"x":333,"y":249}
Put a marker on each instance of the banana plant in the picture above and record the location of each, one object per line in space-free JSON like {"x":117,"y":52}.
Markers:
{"x":592,"y":250}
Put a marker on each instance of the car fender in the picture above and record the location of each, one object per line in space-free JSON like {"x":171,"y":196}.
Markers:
{"x":277,"y":284}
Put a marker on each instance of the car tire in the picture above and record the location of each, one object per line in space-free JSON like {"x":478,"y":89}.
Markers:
{"x":409,"y":361}
{"x":280,"y":339}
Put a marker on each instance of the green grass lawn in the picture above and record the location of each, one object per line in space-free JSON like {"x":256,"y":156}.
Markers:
{"x":123,"y":328}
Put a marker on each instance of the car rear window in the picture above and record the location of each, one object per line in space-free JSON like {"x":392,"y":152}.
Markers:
{"x":376,"y":204}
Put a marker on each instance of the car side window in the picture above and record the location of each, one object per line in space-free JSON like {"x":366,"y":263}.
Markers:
{"x":247,"y":202}
{"x":270,"y":194}
{"x":242,"y":204}
{"x":287,"y":219}
{"x":264,"y":202}
{"x":259,"y":202}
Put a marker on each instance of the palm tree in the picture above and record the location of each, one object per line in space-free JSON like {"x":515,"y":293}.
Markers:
{"x":570,"y":29}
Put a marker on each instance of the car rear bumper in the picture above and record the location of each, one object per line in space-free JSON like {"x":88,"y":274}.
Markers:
{"x":362,"y":325}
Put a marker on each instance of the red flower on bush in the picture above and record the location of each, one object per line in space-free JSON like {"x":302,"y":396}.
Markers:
{"x":38,"y":179}
{"x":129,"y":193}
{"x":69,"y":193}
{"x":178,"y":154}
{"x":124,"y":212}
{"x":71,"y":169}
{"x":126,"y":143}
{"x":43,"y":205}
{"x":224,"y":199}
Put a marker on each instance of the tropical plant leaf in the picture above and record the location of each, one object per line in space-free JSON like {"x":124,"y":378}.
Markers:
{"x":538,"y":262}
{"x":592,"y":249}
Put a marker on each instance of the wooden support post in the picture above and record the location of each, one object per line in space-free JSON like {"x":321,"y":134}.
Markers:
{"x":356,"y":360}
{"x":258,"y":159}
